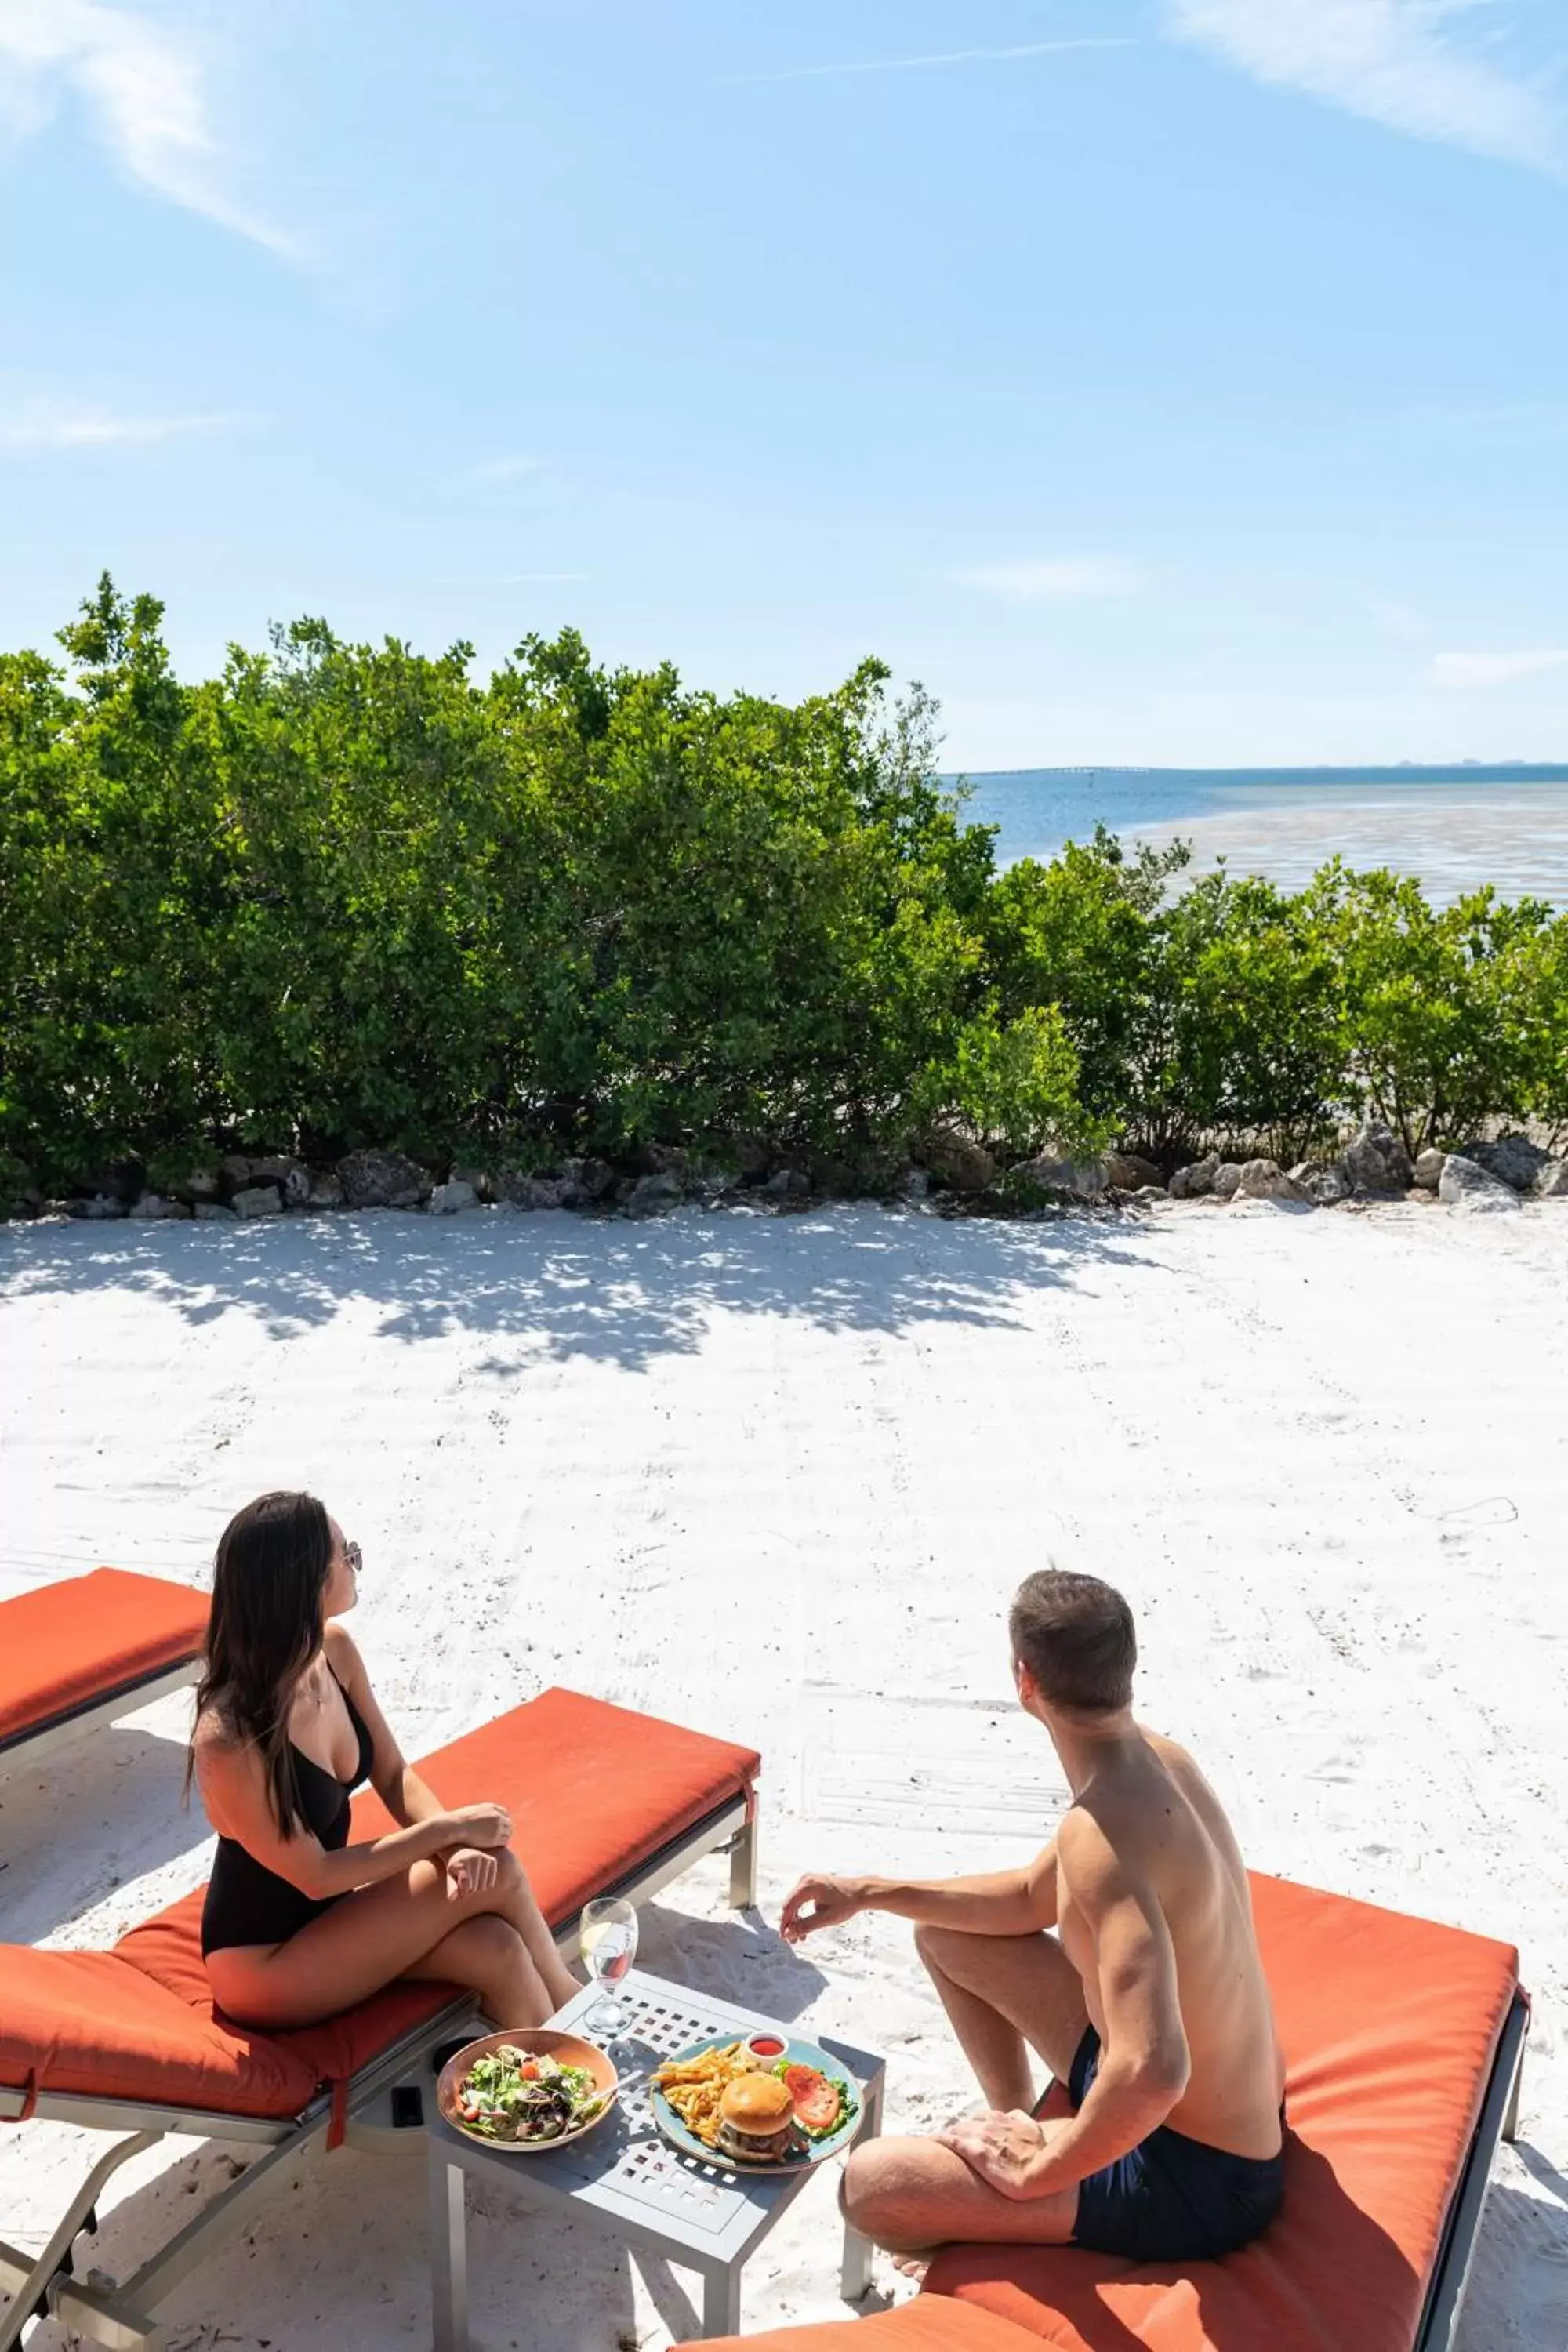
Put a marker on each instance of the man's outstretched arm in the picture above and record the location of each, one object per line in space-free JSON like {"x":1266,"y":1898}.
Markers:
{"x":1004,"y":1903}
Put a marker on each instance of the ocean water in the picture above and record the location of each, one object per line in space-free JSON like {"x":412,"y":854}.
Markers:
{"x":1453,"y":828}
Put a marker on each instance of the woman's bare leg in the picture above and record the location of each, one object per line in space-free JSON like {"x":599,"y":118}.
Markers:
{"x":513,"y":1900}
{"x":365,"y":1941}
{"x":487,"y":1954}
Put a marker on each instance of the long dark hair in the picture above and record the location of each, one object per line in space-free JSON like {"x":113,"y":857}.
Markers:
{"x":268,"y":1617}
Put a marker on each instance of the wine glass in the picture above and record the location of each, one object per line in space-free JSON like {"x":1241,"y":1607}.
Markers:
{"x":608,"y":1937}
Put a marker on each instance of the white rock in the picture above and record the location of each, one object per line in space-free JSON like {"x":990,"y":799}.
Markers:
{"x":259,"y":1200}
{"x":539,"y":1191}
{"x":1513,"y":1158}
{"x":1194,"y":1182}
{"x":1133,"y":1173}
{"x":447,"y":1199}
{"x":1377,"y":1160}
{"x":1264,"y":1180}
{"x":1464,"y":1184}
{"x":97,"y":1206}
{"x":1322,"y":1182}
{"x":382,"y":1180}
{"x":1054,"y":1174}
{"x":958,"y":1161}
{"x":651,"y":1196}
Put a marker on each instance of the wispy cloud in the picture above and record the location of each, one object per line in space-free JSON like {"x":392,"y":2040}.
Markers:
{"x":505,"y":470}
{"x":1496,"y":669}
{"x":144,"y":87}
{"x":1405,"y":63}
{"x":942,"y":58}
{"x":38,"y":424}
{"x":1396,"y":619}
{"x":1057,"y":575}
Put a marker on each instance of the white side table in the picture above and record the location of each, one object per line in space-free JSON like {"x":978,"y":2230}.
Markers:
{"x":704,"y":2217}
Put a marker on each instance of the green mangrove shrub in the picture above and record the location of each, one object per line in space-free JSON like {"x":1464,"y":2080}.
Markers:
{"x":346,"y":894}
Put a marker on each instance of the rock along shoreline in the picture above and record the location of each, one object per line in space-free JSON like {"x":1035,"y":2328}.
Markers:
{"x":949,"y":1174}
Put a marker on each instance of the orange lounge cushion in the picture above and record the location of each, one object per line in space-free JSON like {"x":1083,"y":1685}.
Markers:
{"x":593,"y":1790}
{"x":167,"y":1952}
{"x":929,"y":2324}
{"x":86,"y":2022}
{"x":1389,"y":2025}
{"x":88,"y":1636}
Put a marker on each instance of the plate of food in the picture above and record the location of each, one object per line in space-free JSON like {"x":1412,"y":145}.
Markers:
{"x":763,"y":2104}
{"x":527,"y":2091}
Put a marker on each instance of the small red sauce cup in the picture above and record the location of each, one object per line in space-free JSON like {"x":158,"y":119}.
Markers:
{"x":766,"y":2048}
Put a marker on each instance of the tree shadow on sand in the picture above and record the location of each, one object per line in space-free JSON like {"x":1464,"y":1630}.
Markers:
{"x":562,"y":1287}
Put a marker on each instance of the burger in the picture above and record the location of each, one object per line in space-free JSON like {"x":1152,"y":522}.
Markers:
{"x":756,"y":2120}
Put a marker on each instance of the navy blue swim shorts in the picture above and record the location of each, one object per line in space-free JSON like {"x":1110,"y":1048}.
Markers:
{"x":1171,"y":2198}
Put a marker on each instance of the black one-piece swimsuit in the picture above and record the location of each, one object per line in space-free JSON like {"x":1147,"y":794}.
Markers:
{"x":246,"y":1903}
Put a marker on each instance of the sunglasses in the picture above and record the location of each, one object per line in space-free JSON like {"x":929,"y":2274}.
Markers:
{"x":354,"y":1557}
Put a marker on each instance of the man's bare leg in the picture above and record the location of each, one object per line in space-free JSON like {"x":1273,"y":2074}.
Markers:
{"x":912,"y":2196}
{"x":1004,"y":1995}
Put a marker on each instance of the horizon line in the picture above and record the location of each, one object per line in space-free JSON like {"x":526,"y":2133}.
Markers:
{"x":1272,"y":768}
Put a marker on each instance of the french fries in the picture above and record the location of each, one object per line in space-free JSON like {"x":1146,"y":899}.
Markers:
{"x":695,"y":2086}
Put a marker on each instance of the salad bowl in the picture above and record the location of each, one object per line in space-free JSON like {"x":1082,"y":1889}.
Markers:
{"x":458,"y":2097}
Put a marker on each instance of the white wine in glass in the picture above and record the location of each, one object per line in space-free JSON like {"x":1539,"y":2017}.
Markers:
{"x":608,"y":1937}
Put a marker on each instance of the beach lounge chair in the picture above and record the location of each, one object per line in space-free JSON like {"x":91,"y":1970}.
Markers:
{"x":1402,"y":2041}
{"x":88,"y":1648}
{"x":603,"y":1802}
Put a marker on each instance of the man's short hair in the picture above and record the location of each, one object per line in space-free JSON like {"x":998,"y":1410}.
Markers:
{"x":1075,"y":1634}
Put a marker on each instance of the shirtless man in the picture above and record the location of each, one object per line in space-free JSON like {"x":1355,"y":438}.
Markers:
{"x":1148,"y":2001}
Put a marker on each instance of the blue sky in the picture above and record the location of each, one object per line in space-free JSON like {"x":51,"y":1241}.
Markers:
{"x":1170,"y":381}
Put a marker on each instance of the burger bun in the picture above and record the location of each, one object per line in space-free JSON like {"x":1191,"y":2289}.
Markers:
{"x":756,"y":2120}
{"x":756,"y":2102}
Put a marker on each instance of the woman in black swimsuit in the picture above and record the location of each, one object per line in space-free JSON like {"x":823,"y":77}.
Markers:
{"x":300,"y":1924}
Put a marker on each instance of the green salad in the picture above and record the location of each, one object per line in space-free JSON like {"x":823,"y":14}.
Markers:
{"x":511,"y":2096}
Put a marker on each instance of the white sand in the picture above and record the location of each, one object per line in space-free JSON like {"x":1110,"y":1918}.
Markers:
{"x":776,"y":1478}
{"x":1453,"y":837}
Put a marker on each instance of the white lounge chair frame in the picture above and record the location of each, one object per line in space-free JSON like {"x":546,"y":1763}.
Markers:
{"x":119,"y":2315}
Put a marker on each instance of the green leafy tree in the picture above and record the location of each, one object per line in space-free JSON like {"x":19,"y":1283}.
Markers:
{"x":1440,"y":1009}
{"x":107,"y":865}
{"x":347,"y":894}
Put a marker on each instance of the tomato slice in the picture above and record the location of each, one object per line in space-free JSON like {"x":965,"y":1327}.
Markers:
{"x":528,"y":2073}
{"x":816,"y":2098}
